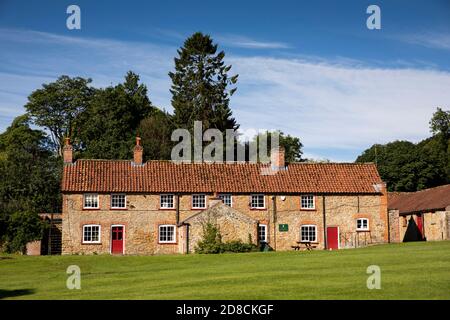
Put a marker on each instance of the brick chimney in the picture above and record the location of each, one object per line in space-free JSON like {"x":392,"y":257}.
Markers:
{"x":138,"y":152}
{"x":67,"y":151}
{"x":277,"y":158}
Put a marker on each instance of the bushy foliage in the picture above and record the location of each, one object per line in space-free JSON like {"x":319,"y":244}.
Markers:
{"x":212,"y":242}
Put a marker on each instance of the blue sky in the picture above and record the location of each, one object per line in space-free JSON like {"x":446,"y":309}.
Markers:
{"x":309,"y":68}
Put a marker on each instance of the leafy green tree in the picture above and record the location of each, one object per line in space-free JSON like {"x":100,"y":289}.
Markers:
{"x":292,"y":145}
{"x":440,"y":123}
{"x":30,"y":182}
{"x":155,"y":132}
{"x":200,"y":85}
{"x":57,"y":105}
{"x":112,"y":118}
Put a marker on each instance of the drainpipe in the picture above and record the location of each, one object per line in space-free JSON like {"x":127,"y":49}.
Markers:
{"x":274,"y":211}
{"x":324,"y":223}
{"x":187,"y":237}
{"x":177,"y":204}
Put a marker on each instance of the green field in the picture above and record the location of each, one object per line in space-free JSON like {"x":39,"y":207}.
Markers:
{"x":408,"y":271}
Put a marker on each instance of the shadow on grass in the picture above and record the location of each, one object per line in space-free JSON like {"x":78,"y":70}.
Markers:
{"x":15,"y":293}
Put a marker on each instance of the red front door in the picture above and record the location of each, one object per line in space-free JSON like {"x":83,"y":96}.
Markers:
{"x":332,"y":238}
{"x":117,"y":240}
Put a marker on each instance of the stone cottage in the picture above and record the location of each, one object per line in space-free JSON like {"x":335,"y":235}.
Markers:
{"x":159,"y":207}
{"x":421,"y":215}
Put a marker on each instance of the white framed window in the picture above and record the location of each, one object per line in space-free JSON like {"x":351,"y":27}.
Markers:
{"x":262,"y":232}
{"x":91,"y":233}
{"x":118,"y":201}
{"x":362,"y":224}
{"x":198,"y":201}
{"x":226,"y":199}
{"x":166,"y":201}
{"x":90,"y":201}
{"x":307,"y":201}
{"x":257,"y":201}
{"x":308,"y":233}
{"x":166,"y":233}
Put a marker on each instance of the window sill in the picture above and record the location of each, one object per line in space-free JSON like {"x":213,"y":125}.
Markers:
{"x":363,"y":230}
{"x":118,"y":209}
{"x":91,"y":243}
{"x":91,"y":209}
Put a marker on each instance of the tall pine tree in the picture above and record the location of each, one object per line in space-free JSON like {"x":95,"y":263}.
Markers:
{"x":200,"y":85}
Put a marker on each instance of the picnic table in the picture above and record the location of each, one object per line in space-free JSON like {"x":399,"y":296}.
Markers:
{"x":306,"y":245}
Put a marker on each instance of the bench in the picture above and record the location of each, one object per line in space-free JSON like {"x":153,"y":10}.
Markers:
{"x":306,"y":245}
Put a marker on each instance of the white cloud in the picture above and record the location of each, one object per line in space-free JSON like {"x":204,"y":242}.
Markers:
{"x":245,"y":42}
{"x":430,"y":40}
{"x":337,"y":108}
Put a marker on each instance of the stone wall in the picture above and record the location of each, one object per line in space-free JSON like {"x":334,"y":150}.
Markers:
{"x":142,"y":217}
{"x":395,"y":227}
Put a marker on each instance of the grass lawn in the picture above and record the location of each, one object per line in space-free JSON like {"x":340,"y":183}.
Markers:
{"x":408,"y":271}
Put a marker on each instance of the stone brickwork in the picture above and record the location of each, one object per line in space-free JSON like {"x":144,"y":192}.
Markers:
{"x":142,"y":217}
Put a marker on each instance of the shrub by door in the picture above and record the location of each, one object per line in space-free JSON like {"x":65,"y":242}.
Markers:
{"x":117,"y":235}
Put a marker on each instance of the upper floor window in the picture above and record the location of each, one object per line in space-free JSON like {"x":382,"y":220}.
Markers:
{"x":118,"y":201}
{"x":90,"y":201}
{"x":307,"y":202}
{"x":226,"y":199}
{"x":308,"y":233}
{"x":166,"y":201}
{"x":362,"y":224}
{"x":257,"y":201}
{"x":166,"y":233}
{"x":198,"y":201}
{"x":91,"y":233}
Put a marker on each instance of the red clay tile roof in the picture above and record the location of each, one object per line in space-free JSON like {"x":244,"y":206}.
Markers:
{"x":166,"y":176}
{"x":432,"y":199}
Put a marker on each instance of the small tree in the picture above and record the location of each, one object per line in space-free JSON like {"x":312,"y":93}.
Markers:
{"x":212,"y":240}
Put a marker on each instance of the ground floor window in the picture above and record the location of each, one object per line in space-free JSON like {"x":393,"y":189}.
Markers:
{"x":362,"y":224}
{"x":308,"y":233}
{"x":91,"y":233}
{"x":167,"y":233}
{"x":262,"y":233}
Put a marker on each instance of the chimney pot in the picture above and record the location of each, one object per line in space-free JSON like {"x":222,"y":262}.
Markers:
{"x":67,"y":151}
{"x":138,"y":152}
